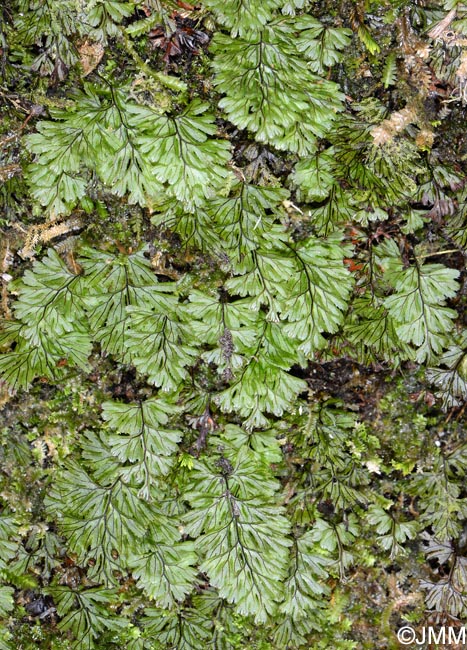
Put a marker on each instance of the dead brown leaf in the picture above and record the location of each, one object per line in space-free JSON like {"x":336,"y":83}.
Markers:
{"x":90,"y":54}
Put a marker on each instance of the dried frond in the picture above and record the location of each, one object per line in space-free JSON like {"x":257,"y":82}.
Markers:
{"x":90,"y":54}
{"x":45,"y":232}
{"x":420,"y":73}
{"x":389,"y":128}
{"x":425,"y":138}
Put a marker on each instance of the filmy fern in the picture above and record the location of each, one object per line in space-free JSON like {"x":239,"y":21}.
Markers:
{"x":133,"y":149}
{"x":49,"y":325}
{"x":271,"y":74}
{"x":271,"y":238}
{"x":418,"y":306}
{"x":231,"y":511}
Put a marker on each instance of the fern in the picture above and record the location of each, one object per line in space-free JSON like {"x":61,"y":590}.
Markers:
{"x":438,"y":483}
{"x":241,"y":17}
{"x":314,"y":177}
{"x":132,"y":149}
{"x":181,"y":152}
{"x":230,"y":516}
{"x":52,"y":25}
{"x":141,"y":442}
{"x":241,"y":238}
{"x":392,"y":533}
{"x":85,"y":613}
{"x":336,"y":539}
{"x":233,"y":224}
{"x":105,"y":16}
{"x":319,"y":294}
{"x":154,"y":345}
{"x":417,"y":306}
{"x":244,"y":396}
{"x":368,"y":41}
{"x":321,"y":45}
{"x":8,"y":544}
{"x":100,"y":521}
{"x":50,"y":324}
{"x":184,"y":628}
{"x":114,"y":283}
{"x":228,"y":328}
{"x":81,"y":134}
{"x":372,"y":329}
{"x":167,"y":572}
{"x":450,"y":376}
{"x":6,"y":600}
{"x":305,"y":584}
{"x":272,"y":75}
{"x":390,"y":71}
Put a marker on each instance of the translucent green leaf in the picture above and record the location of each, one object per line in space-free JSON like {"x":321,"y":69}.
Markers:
{"x":322,"y":45}
{"x":114,"y":282}
{"x":6,"y":600}
{"x":417,"y":306}
{"x":167,"y":572}
{"x":244,"y":556}
{"x":101,"y":522}
{"x":390,"y":71}
{"x":273,"y":76}
{"x":314,"y":178}
{"x":243,"y":16}
{"x":141,"y":442}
